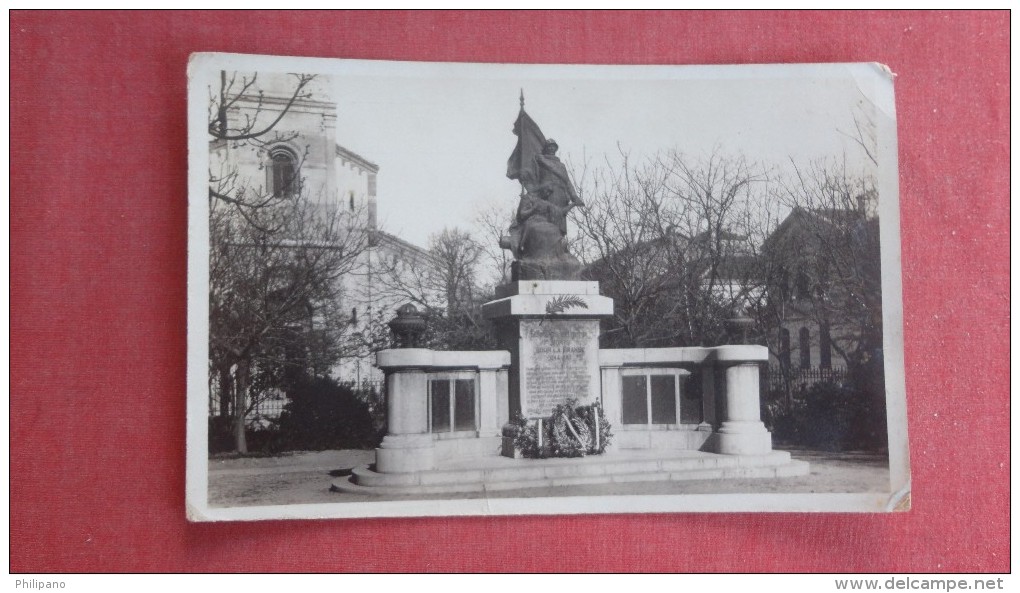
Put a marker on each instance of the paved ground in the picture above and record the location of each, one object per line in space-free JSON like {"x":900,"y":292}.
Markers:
{"x":305,"y":477}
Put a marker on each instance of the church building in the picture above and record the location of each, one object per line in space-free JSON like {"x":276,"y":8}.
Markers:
{"x":294,"y":151}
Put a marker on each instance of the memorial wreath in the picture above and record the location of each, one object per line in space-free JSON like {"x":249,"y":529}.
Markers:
{"x":571,"y":431}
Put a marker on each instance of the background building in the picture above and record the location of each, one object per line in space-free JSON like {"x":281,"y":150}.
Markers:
{"x":279,"y":176}
{"x":823,"y":310}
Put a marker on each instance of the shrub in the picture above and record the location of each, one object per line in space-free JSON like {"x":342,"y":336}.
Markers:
{"x":829,"y":417}
{"x":221,"y":437}
{"x":373,"y":395}
{"x":324,"y":414}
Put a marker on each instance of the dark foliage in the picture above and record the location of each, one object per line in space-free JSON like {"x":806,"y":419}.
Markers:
{"x":373,"y":394}
{"x":261,"y":441}
{"x":221,"y":436}
{"x":829,"y":417}
{"x":324,"y":414}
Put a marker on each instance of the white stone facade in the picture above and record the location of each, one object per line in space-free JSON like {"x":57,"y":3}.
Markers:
{"x":333,"y":176}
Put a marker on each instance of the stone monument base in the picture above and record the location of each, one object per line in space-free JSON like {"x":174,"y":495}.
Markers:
{"x":551,"y":329}
{"x":496,"y":473}
{"x":405,"y":453}
{"x":563,"y":267}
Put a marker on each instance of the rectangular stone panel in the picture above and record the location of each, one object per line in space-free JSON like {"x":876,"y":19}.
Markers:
{"x":464,"y":405}
{"x":440,"y":389}
{"x":663,"y":399}
{"x":691,"y":405}
{"x":635,"y":400}
{"x":558,"y":363}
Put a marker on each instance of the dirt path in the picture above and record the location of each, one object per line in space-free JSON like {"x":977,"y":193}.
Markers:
{"x":305,"y":477}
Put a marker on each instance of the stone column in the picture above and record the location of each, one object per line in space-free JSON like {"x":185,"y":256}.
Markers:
{"x":708,"y":398}
{"x":408,"y":446}
{"x":742,"y":431}
{"x":489,"y":424}
{"x":612,"y":400}
{"x":502,"y":397}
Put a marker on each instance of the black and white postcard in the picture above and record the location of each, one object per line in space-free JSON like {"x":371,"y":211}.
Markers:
{"x":492,"y":289}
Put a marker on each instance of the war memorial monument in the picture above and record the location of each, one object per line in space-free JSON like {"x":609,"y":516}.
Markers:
{"x":551,"y":408}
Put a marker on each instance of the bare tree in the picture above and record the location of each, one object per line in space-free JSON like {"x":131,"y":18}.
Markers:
{"x":672,"y":240}
{"x":865,"y":132}
{"x":456,"y":253}
{"x":463,"y":327}
{"x":446,"y":288}
{"x":824,"y":263}
{"x":824,"y":275}
{"x":492,"y":223}
{"x":277,"y":255}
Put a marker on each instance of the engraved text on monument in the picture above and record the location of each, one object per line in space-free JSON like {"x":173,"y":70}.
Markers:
{"x":558,"y":368}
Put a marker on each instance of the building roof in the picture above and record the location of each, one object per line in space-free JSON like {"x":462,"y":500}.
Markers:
{"x":723,"y":235}
{"x":350,"y":155}
{"x":817,"y":220}
{"x":386,"y":240}
{"x":736,"y":265}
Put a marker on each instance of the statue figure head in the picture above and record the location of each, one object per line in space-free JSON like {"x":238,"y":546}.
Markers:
{"x":550,"y":147}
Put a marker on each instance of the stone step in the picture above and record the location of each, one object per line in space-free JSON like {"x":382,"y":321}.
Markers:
{"x":535,"y":474}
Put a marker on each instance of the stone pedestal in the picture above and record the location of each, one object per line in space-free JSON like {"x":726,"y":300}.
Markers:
{"x":407,"y":446}
{"x":551,"y":329}
{"x":741,"y":431}
{"x":405,"y":453}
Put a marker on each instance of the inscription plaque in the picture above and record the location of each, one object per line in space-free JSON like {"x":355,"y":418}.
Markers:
{"x":559,"y":362}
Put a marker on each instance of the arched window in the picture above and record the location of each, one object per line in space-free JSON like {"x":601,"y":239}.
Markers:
{"x":784,"y":347}
{"x":825,"y":347}
{"x":803,"y":287}
{"x":805,"y":348}
{"x":283,"y":172}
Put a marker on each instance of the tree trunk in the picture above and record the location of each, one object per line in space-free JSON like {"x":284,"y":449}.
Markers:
{"x":240,"y":406}
{"x":226,"y":387}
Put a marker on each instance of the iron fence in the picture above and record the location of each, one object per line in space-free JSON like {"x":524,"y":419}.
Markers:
{"x":271,"y":407}
{"x":792,"y":382}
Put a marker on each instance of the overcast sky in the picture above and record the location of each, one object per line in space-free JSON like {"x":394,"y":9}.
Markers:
{"x":441,"y":133}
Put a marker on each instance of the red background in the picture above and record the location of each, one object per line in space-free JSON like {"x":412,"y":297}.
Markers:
{"x":98,"y":312}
